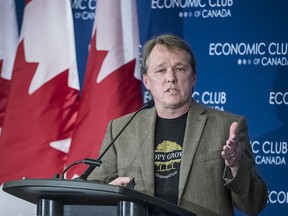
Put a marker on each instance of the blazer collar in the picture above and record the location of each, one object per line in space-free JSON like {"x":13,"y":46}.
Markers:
{"x":146,"y":134}
{"x":194,"y":129}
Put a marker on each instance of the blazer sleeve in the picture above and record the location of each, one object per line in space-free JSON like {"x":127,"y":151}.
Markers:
{"x":108,"y":169}
{"x":248,"y":190}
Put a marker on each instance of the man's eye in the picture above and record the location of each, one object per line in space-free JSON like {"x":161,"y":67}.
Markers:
{"x":160,"y":71}
{"x":180,"y":69}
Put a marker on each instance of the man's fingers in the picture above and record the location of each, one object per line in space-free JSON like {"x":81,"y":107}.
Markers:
{"x":233,"y":131}
{"x":120,"y":181}
{"x":231,"y":150}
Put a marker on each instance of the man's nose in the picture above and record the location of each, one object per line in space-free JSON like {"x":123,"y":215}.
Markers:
{"x":171,"y":76}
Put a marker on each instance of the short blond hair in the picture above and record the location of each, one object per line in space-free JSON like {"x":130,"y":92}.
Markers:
{"x":171,"y":42}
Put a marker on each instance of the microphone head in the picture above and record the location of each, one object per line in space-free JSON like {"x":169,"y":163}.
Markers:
{"x":149,"y":104}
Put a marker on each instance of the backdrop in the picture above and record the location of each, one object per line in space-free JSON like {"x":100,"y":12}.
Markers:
{"x":241,"y":49}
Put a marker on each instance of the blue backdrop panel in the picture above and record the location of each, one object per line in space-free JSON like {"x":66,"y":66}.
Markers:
{"x":241,"y":49}
{"x":83,"y":16}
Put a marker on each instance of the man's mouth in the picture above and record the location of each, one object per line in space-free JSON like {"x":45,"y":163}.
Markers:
{"x":171,"y":90}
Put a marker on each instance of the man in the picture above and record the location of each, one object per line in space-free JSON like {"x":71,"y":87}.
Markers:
{"x":195,"y":157}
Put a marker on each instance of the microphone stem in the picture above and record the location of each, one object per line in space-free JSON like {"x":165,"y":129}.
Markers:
{"x":88,"y":171}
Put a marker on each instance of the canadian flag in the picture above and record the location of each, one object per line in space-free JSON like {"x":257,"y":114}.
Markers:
{"x":8,"y":47}
{"x":112,"y":85}
{"x":43,"y":97}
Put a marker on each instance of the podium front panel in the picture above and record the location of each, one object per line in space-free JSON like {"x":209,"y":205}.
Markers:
{"x":86,"y":193}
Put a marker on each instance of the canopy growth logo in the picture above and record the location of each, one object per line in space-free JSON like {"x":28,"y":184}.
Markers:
{"x":167,"y":154}
{"x":196,"y":8}
{"x":257,"y":53}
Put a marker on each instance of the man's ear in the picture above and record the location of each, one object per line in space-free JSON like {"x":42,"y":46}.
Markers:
{"x":194,"y":77}
{"x":146,"y":82}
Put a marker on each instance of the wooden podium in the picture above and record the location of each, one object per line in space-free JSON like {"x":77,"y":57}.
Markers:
{"x":56,"y":197}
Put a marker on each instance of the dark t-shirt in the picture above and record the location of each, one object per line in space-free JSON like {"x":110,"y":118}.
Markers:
{"x":167,"y":157}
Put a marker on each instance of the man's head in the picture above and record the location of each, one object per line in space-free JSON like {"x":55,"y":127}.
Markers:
{"x":171,"y":42}
{"x":169,"y":72}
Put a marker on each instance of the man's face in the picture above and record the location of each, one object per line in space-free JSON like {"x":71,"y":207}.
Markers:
{"x":169,"y":77}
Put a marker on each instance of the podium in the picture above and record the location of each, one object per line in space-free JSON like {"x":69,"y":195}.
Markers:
{"x":56,"y":197}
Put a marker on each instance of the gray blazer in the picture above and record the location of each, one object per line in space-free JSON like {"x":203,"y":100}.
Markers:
{"x":206,"y":186}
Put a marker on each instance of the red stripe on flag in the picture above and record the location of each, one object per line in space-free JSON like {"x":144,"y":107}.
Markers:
{"x":117,"y":93}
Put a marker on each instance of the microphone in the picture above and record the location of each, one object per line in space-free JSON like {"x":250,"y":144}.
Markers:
{"x":96,"y":162}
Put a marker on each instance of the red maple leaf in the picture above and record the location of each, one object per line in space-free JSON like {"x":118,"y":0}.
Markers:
{"x":33,"y":121}
{"x":118,"y":94}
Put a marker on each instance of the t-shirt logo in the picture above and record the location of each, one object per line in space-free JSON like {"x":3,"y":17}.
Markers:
{"x":167,"y":156}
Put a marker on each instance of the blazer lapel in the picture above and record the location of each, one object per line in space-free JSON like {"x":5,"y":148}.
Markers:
{"x":146,"y":134}
{"x":194,"y":128}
